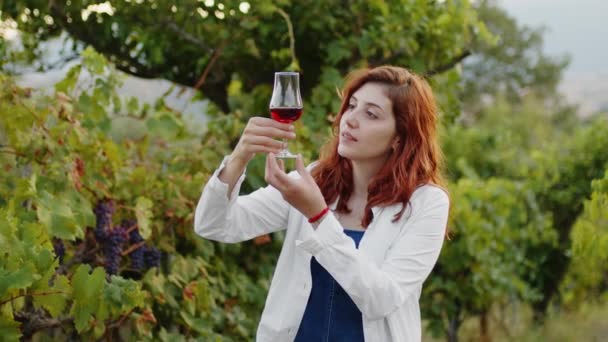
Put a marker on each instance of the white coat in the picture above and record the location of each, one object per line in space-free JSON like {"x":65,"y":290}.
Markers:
{"x":384,"y":276}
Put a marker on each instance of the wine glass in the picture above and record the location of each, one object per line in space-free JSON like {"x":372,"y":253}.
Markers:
{"x":286,"y":102}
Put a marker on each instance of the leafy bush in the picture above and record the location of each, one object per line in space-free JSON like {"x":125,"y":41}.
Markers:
{"x":80,"y":207}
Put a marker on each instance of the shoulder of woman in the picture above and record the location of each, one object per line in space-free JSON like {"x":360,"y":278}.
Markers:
{"x":312,"y":165}
{"x":430,"y":193}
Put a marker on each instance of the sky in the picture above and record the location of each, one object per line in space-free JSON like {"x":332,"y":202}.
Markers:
{"x":576,"y":27}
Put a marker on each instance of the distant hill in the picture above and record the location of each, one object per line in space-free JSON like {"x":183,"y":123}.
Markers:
{"x":588,"y":90}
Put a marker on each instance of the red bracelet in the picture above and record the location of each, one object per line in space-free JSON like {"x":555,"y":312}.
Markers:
{"x":318,"y":216}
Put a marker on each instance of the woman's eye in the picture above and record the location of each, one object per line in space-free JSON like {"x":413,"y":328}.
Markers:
{"x":351,"y":106}
{"x":372,"y":115}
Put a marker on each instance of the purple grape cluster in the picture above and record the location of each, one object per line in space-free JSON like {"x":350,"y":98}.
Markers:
{"x":59,"y":248}
{"x":112,"y":248}
{"x":152,"y":257}
{"x":113,"y":240}
{"x":137,"y":255}
{"x":104,"y":209}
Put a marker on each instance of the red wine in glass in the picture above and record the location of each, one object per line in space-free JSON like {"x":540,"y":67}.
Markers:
{"x":286,"y":102}
{"x":285,"y":114}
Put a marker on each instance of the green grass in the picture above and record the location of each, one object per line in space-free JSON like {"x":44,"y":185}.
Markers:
{"x":588,"y":323}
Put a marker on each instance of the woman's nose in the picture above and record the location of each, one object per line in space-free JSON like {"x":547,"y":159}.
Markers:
{"x":351,"y":119}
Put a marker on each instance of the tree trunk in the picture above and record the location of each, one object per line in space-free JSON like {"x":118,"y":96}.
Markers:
{"x":483,"y":328}
{"x":453,"y":330}
{"x":555,"y":268}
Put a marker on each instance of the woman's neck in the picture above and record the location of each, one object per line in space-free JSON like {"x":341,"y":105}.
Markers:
{"x":363,"y":172}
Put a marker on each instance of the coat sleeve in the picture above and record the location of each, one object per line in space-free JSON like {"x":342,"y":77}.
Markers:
{"x":234,"y":218}
{"x":379,"y":290}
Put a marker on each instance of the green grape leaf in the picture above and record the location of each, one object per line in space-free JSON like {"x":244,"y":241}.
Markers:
{"x":196,"y":323}
{"x":43,"y":260}
{"x":144,"y":216}
{"x":112,"y":153}
{"x":33,"y":236}
{"x":93,"y":61}
{"x":55,"y":301}
{"x":87,"y":289}
{"x":9,"y":329}
{"x":8,"y":230}
{"x":16,"y":279}
{"x":68,"y":83}
{"x":165,"y":336}
{"x":56,"y":214}
{"x":165,"y":125}
{"x":121,"y":295}
{"x":83,"y":212}
{"x":99,"y":329}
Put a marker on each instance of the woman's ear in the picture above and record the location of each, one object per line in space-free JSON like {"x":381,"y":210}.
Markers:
{"x":396,"y":143}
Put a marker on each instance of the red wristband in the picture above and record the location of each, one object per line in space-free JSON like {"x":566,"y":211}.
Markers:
{"x":318,"y":216}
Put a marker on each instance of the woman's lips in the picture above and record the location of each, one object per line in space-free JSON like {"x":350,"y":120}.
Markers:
{"x":348,"y":137}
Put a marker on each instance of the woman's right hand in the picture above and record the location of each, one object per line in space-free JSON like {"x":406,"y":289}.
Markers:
{"x":260,"y":135}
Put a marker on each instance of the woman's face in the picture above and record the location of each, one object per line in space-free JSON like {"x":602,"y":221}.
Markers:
{"x":367,"y":127}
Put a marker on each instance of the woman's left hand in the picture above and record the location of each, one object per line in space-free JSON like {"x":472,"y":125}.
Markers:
{"x":303,"y":193}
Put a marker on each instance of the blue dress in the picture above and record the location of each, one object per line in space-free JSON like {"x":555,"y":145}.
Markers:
{"x":330,"y":315}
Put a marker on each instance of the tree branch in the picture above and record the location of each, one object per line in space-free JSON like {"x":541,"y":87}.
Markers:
{"x":80,"y":255}
{"x":449,"y":65}
{"x":120,"y":321}
{"x":292,"y":38}
{"x":30,"y":294}
{"x":388,"y":60}
{"x":214,"y":58}
{"x":36,"y":321}
{"x":12,"y":152}
{"x":117,"y":52}
{"x":132,"y":248}
{"x":172,"y":26}
{"x":438,"y":70}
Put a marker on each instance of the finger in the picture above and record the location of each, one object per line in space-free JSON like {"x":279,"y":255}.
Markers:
{"x":281,"y":164}
{"x":277,"y":174}
{"x":267,"y":122}
{"x":271,"y":132}
{"x":301,"y":168}
{"x":267,"y":166}
{"x":271,"y":172}
{"x":267,"y":171}
{"x":263,"y":141}
{"x":262,"y":149}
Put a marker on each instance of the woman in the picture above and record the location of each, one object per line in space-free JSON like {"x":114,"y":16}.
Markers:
{"x":365,"y":224}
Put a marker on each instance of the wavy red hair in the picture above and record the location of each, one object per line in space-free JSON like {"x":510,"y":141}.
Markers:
{"x":417,"y":160}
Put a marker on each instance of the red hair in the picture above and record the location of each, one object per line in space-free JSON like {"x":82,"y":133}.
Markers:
{"x":417,"y":160}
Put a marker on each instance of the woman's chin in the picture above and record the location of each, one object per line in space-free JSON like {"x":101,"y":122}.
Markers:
{"x":354,"y":155}
{"x":348,"y":153}
{"x":344,"y":152}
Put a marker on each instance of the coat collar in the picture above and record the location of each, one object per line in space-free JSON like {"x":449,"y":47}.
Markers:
{"x":390,"y":210}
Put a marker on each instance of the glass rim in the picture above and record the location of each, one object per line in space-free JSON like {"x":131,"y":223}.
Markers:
{"x":290,"y":73}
